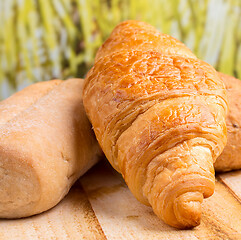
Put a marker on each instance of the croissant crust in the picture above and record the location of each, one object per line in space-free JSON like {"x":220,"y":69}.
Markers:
{"x":159,"y":115}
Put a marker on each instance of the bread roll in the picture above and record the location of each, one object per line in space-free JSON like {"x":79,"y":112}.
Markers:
{"x":45,"y":145}
{"x":230,"y":159}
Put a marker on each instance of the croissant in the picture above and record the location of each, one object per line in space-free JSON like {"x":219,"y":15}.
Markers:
{"x":159,"y":115}
{"x":230,"y":159}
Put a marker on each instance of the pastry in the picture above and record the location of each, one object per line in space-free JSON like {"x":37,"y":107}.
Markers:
{"x":158,"y":113}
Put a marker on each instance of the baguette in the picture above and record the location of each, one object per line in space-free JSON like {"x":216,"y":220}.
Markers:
{"x":46,"y":144}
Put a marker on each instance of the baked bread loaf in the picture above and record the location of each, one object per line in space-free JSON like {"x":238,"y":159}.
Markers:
{"x":46,"y":143}
{"x":230,"y":159}
{"x":159,"y":115}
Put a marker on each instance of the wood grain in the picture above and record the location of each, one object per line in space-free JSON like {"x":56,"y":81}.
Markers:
{"x":121,"y":216}
{"x":233,"y":181}
{"x":105,"y":209}
{"x":72,"y":218}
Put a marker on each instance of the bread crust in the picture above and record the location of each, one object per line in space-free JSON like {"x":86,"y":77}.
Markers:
{"x":18,"y":102}
{"x":44,"y":150}
{"x":230,"y":158}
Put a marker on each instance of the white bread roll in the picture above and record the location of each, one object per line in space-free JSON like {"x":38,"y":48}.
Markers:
{"x":46,"y":144}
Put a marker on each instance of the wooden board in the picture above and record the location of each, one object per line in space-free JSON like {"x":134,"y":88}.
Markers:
{"x":100,"y":206}
{"x":72,"y":218}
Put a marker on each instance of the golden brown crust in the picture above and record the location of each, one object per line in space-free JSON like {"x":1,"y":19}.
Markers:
{"x":230,"y":159}
{"x":159,"y":115}
{"x":43,"y":150}
{"x":141,"y":36}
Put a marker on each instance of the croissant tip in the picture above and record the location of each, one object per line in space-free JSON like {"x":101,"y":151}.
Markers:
{"x":188,"y":209}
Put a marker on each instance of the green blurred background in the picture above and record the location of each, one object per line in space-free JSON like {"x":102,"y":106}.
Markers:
{"x":45,"y":39}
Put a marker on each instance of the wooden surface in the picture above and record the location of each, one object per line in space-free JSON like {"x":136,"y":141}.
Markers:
{"x":100,"y":206}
